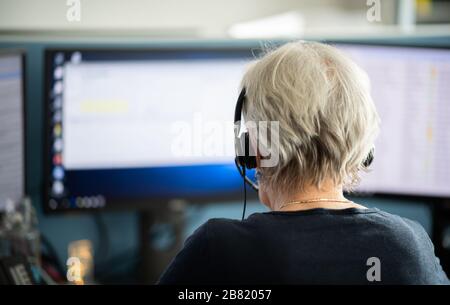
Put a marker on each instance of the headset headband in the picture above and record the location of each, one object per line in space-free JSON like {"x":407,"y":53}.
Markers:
{"x":239,"y":106}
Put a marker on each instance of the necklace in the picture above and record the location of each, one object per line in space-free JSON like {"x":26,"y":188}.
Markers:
{"x":314,"y":200}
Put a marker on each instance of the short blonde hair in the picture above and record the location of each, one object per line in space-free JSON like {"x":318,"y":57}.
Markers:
{"x":327,"y":119}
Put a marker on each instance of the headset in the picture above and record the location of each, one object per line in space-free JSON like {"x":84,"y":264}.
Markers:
{"x":245,"y":153}
{"x":245,"y":159}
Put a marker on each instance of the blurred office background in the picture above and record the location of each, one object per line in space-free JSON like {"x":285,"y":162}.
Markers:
{"x":123,"y":237}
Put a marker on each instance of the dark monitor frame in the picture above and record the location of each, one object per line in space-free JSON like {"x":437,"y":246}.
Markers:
{"x":135,"y":203}
{"x":22,"y":54}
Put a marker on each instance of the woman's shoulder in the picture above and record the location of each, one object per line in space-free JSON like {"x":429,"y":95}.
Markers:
{"x":375,"y":220}
{"x":227,"y":226}
{"x":398,"y":223}
{"x":223,"y":224}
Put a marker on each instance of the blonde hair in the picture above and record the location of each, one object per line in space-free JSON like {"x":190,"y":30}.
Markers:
{"x":327,"y":119}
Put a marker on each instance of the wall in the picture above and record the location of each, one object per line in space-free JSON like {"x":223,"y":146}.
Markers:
{"x":168,"y":18}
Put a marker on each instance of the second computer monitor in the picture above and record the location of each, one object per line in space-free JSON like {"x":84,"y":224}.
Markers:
{"x":410,"y":88}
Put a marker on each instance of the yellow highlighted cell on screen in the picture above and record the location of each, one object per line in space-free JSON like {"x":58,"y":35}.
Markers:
{"x":429,"y":134}
{"x":104,"y":106}
{"x":433,"y":72}
{"x":57,"y":130}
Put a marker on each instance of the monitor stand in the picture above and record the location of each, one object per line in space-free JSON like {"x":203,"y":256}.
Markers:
{"x":161,"y":231}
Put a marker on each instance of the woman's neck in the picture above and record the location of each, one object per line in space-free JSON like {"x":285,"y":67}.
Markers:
{"x":329,"y":196}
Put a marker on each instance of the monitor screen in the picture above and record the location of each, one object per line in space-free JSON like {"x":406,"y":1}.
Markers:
{"x":410,"y":87}
{"x":141,"y":125}
{"x":12,"y":156}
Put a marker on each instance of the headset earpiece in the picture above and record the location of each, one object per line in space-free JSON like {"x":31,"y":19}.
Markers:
{"x":250,"y":156}
{"x":245,"y":155}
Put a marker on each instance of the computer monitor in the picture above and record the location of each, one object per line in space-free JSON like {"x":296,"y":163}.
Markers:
{"x":410,"y":87}
{"x":133,"y":127}
{"x":12,"y":123}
